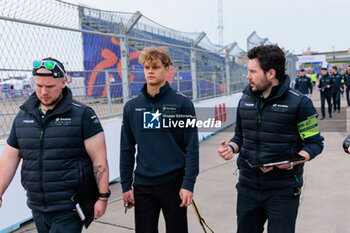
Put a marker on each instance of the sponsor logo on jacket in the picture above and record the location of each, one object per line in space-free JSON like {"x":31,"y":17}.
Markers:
{"x":279,"y":107}
{"x":28,"y":121}
{"x":63,"y":121}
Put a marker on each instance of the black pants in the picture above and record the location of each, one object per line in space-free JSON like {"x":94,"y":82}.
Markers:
{"x":149,"y":200}
{"x":329,"y":103}
{"x":347,"y":95}
{"x":57,"y":222}
{"x":336,"y":100}
{"x":254,"y":207}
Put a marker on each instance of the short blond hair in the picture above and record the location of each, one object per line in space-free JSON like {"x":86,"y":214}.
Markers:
{"x":152,"y":54}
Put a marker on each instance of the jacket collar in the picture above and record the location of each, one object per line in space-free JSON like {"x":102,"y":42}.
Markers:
{"x":31,"y":104}
{"x":162,"y":91}
{"x":276,"y":92}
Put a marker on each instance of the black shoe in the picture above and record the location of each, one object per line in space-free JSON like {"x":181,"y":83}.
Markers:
{"x":334,"y":110}
{"x":322,"y":118}
{"x":330,"y":116}
{"x":338,"y":110}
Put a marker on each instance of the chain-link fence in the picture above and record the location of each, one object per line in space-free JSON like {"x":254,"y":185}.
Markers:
{"x":98,"y":49}
{"x":254,"y":40}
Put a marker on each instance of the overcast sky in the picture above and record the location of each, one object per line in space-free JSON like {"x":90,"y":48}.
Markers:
{"x":295,"y":25}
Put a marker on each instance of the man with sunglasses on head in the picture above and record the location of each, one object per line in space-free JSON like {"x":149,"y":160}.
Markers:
{"x":60,"y":142}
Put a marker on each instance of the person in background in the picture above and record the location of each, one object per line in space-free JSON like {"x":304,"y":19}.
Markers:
{"x":337,"y":88}
{"x":347,"y":84}
{"x":303,"y":84}
{"x":313,"y":78}
{"x":342,"y":73}
{"x":325,"y":84}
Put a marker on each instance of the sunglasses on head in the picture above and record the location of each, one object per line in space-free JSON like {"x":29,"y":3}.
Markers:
{"x":49,"y":65}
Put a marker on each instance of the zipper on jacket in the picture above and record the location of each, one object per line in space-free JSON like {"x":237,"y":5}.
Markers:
{"x":41,"y":165}
{"x":258,"y":129}
{"x":257,"y":137}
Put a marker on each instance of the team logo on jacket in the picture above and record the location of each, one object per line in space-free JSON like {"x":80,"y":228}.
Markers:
{"x":95,"y":119}
{"x":28,"y":121}
{"x":249,"y":104}
{"x":63,"y":121}
{"x":169,"y":109}
{"x":152,"y":120}
{"x":280,"y":108}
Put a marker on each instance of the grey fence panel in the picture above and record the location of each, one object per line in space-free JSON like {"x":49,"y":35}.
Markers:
{"x":254,"y":40}
{"x":90,"y":43}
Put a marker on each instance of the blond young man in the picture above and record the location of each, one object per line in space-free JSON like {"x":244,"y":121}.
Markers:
{"x":167,"y":159}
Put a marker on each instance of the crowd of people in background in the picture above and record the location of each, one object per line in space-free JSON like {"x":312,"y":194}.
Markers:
{"x":332,"y":85}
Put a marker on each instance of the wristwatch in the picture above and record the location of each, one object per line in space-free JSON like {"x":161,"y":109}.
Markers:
{"x":105,"y":195}
{"x":291,"y":166}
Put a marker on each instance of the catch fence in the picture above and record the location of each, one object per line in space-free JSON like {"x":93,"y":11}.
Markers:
{"x":100,"y":51}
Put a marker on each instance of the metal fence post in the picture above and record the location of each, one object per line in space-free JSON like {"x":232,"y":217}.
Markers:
{"x":198,"y":87}
{"x":227,"y":61}
{"x":228,"y":75}
{"x":224,"y":81}
{"x":194,"y":43}
{"x":124,"y":51}
{"x":291,"y":66}
{"x":178,"y":80}
{"x":108,"y":87}
{"x":194,"y":74}
{"x":214,"y":81}
{"x":124,"y":54}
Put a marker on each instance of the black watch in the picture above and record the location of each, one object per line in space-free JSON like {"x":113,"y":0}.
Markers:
{"x":105,"y":195}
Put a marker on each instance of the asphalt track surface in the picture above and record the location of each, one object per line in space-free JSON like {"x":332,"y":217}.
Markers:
{"x":324,"y":203}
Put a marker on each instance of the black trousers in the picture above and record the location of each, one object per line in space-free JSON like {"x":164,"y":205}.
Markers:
{"x":329,"y":103}
{"x":57,"y":222}
{"x":278,"y":207}
{"x":347,"y":95}
{"x":336,"y":100}
{"x":149,"y":200}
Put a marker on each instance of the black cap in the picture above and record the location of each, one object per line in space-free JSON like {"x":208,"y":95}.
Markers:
{"x":57,"y":72}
